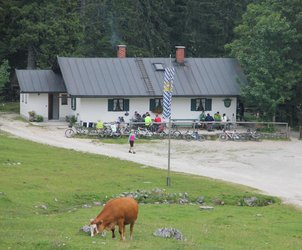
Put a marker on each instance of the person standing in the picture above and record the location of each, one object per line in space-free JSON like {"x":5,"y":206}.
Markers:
{"x":148,"y":120}
{"x":131,"y":140}
{"x":224,"y":121}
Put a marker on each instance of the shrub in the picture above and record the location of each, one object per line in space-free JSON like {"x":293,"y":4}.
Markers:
{"x":39,"y":118}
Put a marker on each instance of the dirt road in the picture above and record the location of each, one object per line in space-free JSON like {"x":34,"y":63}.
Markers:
{"x":275,"y":167}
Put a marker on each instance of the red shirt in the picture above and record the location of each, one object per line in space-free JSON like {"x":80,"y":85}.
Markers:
{"x":157,"y":119}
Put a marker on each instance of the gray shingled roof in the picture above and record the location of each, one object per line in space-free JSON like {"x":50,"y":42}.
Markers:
{"x":122,"y":77}
{"x":40,"y":81}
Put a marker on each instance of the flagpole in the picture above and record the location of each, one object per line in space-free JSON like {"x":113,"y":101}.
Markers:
{"x":169,"y":154}
{"x":169,"y":143}
{"x":169,"y":74}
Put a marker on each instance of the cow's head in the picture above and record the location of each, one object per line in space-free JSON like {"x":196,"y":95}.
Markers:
{"x":94,"y":227}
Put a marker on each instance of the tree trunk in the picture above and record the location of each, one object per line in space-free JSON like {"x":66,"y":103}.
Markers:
{"x":31,"y":64}
{"x":299,"y":115}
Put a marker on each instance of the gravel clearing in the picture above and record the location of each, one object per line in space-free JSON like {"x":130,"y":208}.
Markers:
{"x":274,"y":167}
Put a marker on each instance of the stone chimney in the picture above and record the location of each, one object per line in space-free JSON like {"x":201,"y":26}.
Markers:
{"x":180,"y":54}
{"x":121,"y":51}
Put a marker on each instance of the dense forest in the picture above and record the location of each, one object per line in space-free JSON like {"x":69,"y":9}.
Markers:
{"x":264,"y":35}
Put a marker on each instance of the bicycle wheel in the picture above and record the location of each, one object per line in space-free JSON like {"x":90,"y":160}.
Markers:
{"x":162,"y":135}
{"x":223,"y":137}
{"x":237,"y":137}
{"x":149,"y":134}
{"x":188,"y":137}
{"x":256,"y":136}
{"x":101,"y":134}
{"x":201,"y":137}
{"x":117,"y":135}
{"x":176,"y":135}
{"x":244,"y":136}
{"x":69,"y":132}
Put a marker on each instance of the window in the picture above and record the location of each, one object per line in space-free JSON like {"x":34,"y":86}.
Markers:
{"x":156,"y":105}
{"x":201,"y":104}
{"x":22,"y":97}
{"x":25,"y":96}
{"x":64,"y":99}
{"x":73,"y":103}
{"x":159,"y":67}
{"x":118,"y":105}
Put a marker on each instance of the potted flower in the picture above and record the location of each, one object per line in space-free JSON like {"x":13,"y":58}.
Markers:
{"x":158,"y":110}
{"x":32,"y":115}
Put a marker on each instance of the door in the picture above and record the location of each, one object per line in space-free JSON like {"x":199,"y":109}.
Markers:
{"x":53,"y":106}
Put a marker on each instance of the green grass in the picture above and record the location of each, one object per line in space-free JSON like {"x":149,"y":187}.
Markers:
{"x":34,"y":175}
{"x":10,"y":107}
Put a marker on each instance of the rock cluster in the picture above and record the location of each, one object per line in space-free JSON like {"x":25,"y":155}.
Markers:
{"x":169,"y":233}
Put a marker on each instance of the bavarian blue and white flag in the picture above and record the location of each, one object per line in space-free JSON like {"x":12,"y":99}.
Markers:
{"x":167,"y":96}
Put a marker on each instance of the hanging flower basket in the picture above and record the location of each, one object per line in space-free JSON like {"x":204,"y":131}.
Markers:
{"x":158,"y":110}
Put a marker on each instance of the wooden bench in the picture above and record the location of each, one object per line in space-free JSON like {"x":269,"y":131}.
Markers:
{"x":184,"y":123}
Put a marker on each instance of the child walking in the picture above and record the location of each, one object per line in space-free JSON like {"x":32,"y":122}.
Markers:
{"x":131,"y":140}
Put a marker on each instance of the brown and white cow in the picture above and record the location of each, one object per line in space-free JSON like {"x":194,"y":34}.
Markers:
{"x":118,"y":211}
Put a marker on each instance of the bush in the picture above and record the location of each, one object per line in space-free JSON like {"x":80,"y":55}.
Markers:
{"x":71,"y":120}
{"x":39,"y":118}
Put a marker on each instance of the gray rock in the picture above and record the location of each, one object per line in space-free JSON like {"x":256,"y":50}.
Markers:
{"x":200,"y":200}
{"x":183,"y":201}
{"x":206,"y":207}
{"x":250,"y":201}
{"x":86,"y":206}
{"x":169,"y":233}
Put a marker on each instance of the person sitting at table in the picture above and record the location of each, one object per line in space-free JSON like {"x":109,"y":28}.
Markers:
{"x":208,"y":119}
{"x":217,"y":118}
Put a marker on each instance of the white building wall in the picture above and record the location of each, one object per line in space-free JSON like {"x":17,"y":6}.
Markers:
{"x":65,"y":110}
{"x":181,"y":108}
{"x":218,"y":105}
{"x":39,"y":103}
{"x":94,"y":109}
{"x":34,"y":102}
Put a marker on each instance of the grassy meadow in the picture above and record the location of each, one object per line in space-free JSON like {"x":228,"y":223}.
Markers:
{"x":44,"y":193}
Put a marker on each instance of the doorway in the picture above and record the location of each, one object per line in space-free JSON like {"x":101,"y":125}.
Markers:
{"x":53,"y":106}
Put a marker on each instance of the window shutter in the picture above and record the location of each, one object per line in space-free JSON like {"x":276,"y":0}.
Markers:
{"x":73,"y":103}
{"x":152,"y":105}
{"x":126,"y":104}
{"x":193,"y":104}
{"x":208,"y":106}
{"x":110,"y":104}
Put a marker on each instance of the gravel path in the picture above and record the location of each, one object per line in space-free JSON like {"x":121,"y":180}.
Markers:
{"x":274,"y":167}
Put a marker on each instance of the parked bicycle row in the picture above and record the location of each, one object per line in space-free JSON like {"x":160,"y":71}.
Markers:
{"x":156,"y":131}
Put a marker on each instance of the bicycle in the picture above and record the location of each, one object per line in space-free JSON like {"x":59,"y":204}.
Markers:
{"x":75,"y":129}
{"x":161,"y":134}
{"x":176,"y":134}
{"x":230,"y":135}
{"x":252,"y":135}
{"x":143,"y":132}
{"x":194,"y":136}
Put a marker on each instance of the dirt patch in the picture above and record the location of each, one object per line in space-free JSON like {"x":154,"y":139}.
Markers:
{"x":271,"y":166}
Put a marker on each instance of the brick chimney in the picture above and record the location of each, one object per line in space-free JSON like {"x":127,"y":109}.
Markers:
{"x":121,"y":51}
{"x":180,"y":54}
